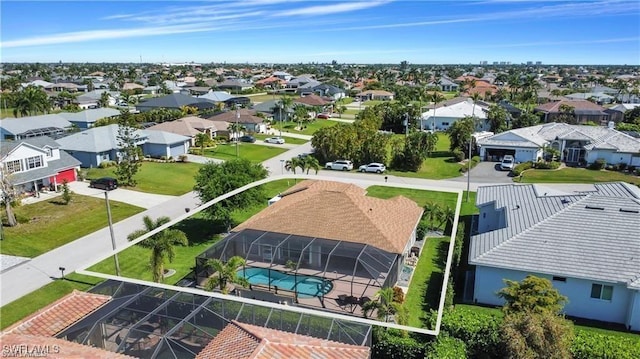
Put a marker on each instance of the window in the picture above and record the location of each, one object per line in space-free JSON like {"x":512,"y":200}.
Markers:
{"x":34,"y":162}
{"x":601,"y":291}
{"x":559,"y":279}
{"x":49,"y":152}
{"x":14,"y":166}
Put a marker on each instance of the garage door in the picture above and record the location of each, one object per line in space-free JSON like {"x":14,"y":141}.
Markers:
{"x":68,"y":175}
{"x":496,"y":154}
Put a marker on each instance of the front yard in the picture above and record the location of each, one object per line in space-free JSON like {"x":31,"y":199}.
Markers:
{"x":575,"y":175}
{"x":252,"y":152}
{"x":289,"y":140}
{"x":173,"y":179}
{"x":50,"y":224}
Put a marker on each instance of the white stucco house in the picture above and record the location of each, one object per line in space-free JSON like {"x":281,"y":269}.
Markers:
{"x":576,"y":144}
{"x":586,"y":243}
{"x":443,"y":116}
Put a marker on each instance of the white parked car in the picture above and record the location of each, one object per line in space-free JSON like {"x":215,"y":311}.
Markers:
{"x":507,"y":163}
{"x":278,"y":140}
{"x":340,"y":165}
{"x":373,"y":167}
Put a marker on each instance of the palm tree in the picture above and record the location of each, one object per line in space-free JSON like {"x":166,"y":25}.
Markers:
{"x":161,"y":244}
{"x":432,"y":213}
{"x":226,"y":273}
{"x":30,"y":101}
{"x":436,"y":98}
{"x":202,"y":140}
{"x":311,"y":163}
{"x":7,"y":195}
{"x":235,"y":128}
{"x":294,"y":163}
{"x":104,"y":99}
{"x":301,"y":114}
{"x":383,"y":304}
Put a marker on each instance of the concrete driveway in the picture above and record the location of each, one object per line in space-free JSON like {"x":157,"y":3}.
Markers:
{"x":486,"y":172}
{"x":140,"y":199}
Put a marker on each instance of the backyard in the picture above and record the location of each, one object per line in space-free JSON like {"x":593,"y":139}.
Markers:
{"x":51,"y":224}
{"x":252,"y":152}
{"x":575,"y":175}
{"x":173,"y":179}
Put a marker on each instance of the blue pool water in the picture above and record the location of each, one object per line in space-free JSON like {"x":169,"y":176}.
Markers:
{"x":307,"y":287}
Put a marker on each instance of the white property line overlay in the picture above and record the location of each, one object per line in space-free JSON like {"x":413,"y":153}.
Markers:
{"x":305,"y":310}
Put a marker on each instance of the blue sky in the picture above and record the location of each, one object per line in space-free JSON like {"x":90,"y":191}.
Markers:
{"x":421,"y":32}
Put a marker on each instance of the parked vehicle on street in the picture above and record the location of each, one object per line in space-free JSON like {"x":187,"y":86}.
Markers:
{"x":105,"y":183}
{"x":340,"y":165}
{"x":278,"y":140}
{"x":247,"y":138}
{"x":323,"y":116}
{"x":507,"y":163}
{"x":373,"y":167}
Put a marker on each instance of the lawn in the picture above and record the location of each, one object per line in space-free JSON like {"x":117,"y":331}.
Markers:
{"x":576,"y":175}
{"x":439,"y":166}
{"x":252,"y":152}
{"x":422,"y":197}
{"x":262,"y":97}
{"x":310,"y":127}
{"x":426,"y":283}
{"x":202,"y":234}
{"x":50,"y":224}
{"x":44,"y":296}
{"x":161,"y":178}
{"x":290,"y":140}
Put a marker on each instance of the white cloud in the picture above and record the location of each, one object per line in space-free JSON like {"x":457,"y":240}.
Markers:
{"x":330,"y":9}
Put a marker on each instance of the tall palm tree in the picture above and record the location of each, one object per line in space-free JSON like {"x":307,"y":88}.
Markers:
{"x":202,"y":140}
{"x":286,"y":102}
{"x":104,"y":99}
{"x":161,"y":244}
{"x":226,"y":273}
{"x":235,"y":128}
{"x":436,"y":98}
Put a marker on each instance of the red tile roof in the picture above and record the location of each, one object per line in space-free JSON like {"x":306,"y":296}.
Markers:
{"x":245,"y":341}
{"x":20,"y":345}
{"x":60,"y":314}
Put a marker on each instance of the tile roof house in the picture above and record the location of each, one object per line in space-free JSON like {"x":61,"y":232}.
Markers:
{"x":375,"y":95}
{"x":576,"y":144}
{"x":583,"y":111}
{"x":189,"y":126}
{"x":586,"y":242}
{"x":244,"y":341}
{"x":36,"y":162}
{"x":247,"y":118}
{"x":312,"y":100}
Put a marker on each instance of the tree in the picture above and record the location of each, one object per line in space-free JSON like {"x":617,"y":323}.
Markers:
{"x":294,"y":163}
{"x":311,"y":163}
{"x":300,"y":114}
{"x":632,"y":116}
{"x":30,"y":101}
{"x":202,"y":140}
{"x":285,"y":103}
{"x":66,"y":192}
{"x":436,"y":98}
{"x":130,"y":154}
{"x":460,"y":134}
{"x":497,"y":117}
{"x":383,"y":303}
{"x":8,"y":195}
{"x":104,"y":99}
{"x":215,"y":179}
{"x":532,"y":294}
{"x":161,"y":244}
{"x":526,"y":119}
{"x":418,"y":146}
{"x":226,"y":273}
{"x":567,"y":114}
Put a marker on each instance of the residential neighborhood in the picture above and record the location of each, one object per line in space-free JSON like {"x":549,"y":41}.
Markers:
{"x":353,"y":180}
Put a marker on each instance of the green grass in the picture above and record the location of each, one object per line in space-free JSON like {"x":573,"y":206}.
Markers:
{"x":52,"y":225}
{"x":44,"y":296}
{"x":439,"y":166}
{"x":422,"y":197}
{"x":289,"y":140}
{"x":6,"y":112}
{"x":161,"y":178}
{"x":310,"y":129}
{"x":262,"y":98}
{"x":426,"y":283}
{"x":252,"y":152}
{"x":576,"y":175}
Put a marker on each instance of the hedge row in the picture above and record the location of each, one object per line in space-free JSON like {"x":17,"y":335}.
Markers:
{"x":589,"y":345}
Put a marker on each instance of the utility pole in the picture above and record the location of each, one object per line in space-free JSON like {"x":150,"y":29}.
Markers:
{"x":113,"y":237}
{"x":237,"y":134}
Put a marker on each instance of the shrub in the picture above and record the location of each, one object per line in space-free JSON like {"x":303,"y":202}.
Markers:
{"x":598,"y":164}
{"x":390,"y":344}
{"x":446,"y":347}
{"x":398,"y":295}
{"x":622,"y":166}
{"x":519,"y":168}
{"x":547,"y":165}
{"x":183,"y":158}
{"x":81,"y":174}
{"x":587,"y":344}
{"x":423,"y":227}
{"x":480,"y":330}
{"x":107,"y":164}
{"x":66,"y":192}
{"x":163,"y":158}
{"x":458,"y":155}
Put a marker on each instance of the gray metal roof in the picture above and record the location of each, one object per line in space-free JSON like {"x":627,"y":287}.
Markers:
{"x":591,"y":235}
{"x":164,"y":137}
{"x":40,"y":142}
{"x":94,"y":140}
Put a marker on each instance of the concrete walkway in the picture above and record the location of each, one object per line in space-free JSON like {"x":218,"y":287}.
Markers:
{"x":135,"y":198}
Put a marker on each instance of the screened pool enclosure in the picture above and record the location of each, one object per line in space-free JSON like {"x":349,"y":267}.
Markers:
{"x":343,"y":271}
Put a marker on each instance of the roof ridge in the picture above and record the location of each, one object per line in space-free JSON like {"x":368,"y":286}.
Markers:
{"x":527,"y":230}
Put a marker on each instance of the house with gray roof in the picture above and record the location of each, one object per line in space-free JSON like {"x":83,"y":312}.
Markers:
{"x":35,"y":163}
{"x":99,"y":144}
{"x":87,"y":118}
{"x":174,"y":101}
{"x":33,"y":126}
{"x":585,"y":242}
{"x":576,"y":144}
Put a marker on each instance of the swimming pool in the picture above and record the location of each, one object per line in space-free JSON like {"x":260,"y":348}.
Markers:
{"x":307,"y":287}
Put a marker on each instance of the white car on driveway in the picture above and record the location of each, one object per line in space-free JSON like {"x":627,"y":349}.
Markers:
{"x":277,"y":140}
{"x":340,"y":165}
{"x":507,"y":163}
{"x":373,"y":167}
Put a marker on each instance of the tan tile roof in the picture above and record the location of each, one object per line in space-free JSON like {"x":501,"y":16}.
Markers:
{"x":52,"y":348}
{"x":340,"y":211}
{"x":246,"y":116}
{"x":312,"y":100}
{"x":245,"y":341}
{"x":186,"y":126}
{"x":577,"y":105}
{"x":60,"y":314}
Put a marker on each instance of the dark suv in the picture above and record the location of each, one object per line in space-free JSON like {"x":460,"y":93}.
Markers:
{"x":247,"y":138}
{"x":105,"y":183}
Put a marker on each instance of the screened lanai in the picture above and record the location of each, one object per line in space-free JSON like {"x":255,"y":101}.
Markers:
{"x":149,"y":322}
{"x":285,"y":263}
